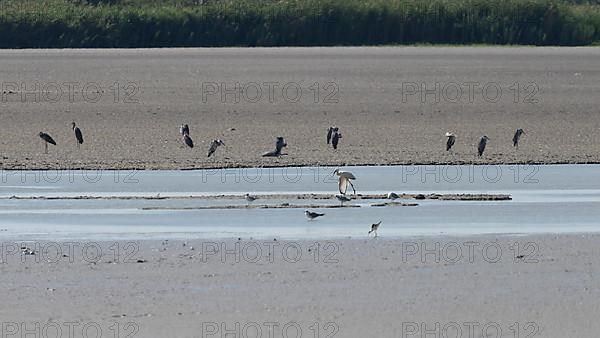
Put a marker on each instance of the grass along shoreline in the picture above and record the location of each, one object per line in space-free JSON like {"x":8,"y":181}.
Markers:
{"x":145,"y":23}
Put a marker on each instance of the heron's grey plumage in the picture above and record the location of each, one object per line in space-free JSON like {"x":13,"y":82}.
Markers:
{"x":336,"y":138}
{"x":374,"y":228}
{"x":392,"y":196}
{"x":451,"y":139}
{"x":184,"y":129}
{"x":312,"y":215}
{"x":78,"y":134}
{"x":47,"y":139}
{"x":481,"y":146}
{"x":517,"y":137}
{"x":214,"y":145}
{"x":329,"y":134}
{"x":279,"y":145}
{"x":187,"y":140}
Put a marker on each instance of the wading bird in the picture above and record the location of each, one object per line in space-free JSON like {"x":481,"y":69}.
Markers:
{"x":374,"y":228}
{"x":78,"y":134}
{"x":451,"y":139}
{"x":517,"y":137}
{"x":184,"y":129}
{"x":482,"y":144}
{"x":279,"y":145}
{"x":329,"y":134}
{"x":249,"y":198}
{"x":47,"y":139}
{"x":312,"y":215}
{"x":343,"y":199}
{"x":392,"y":196}
{"x":344,"y":179}
{"x":214,"y":145}
{"x":336,"y":138}
{"x":187,"y":140}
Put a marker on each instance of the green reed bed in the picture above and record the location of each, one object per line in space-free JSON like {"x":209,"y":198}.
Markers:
{"x":151,"y":23}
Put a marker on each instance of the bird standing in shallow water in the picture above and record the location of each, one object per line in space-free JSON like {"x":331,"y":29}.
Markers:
{"x":78,"y":134}
{"x":517,"y":137}
{"x":344,"y":179}
{"x":214,"y":145}
{"x":451,"y":139}
{"x":482,"y":143}
{"x":312,"y":215}
{"x":374,"y":228}
{"x":47,"y":139}
{"x":392,"y":196}
{"x":249,"y":198}
{"x":343,"y":199}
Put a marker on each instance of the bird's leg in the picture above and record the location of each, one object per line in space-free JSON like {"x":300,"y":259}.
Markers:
{"x":46,"y":147}
{"x":375,"y":233}
{"x":352,"y":185}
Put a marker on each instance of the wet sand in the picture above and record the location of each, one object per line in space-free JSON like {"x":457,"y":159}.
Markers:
{"x":392,"y":105}
{"x":543,"y":286}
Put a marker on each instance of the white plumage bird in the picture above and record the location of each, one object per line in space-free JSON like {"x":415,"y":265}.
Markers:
{"x":344,"y":179}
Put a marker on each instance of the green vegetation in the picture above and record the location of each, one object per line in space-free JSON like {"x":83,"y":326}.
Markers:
{"x":171,"y":23}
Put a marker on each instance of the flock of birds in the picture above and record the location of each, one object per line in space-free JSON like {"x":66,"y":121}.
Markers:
{"x":334,"y":135}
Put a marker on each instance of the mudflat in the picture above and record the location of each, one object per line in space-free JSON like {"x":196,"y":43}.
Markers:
{"x":393,"y":105}
{"x":449,"y":286}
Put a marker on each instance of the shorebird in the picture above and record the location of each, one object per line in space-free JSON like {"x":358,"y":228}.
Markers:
{"x":451,"y":139}
{"x":78,"y":134}
{"x":392,"y":196}
{"x":312,"y":215}
{"x":482,"y":144}
{"x":374,"y":228}
{"x":184,"y":129}
{"x":336,"y":138}
{"x":517,"y":137}
{"x":47,"y":139}
{"x":342,"y":199}
{"x":249,"y":198}
{"x":329,"y":134}
{"x":279,"y":145}
{"x":187,"y":140}
{"x":214,"y":145}
{"x":344,"y":179}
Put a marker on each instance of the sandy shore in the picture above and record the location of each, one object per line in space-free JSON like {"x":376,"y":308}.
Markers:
{"x":543,"y":286}
{"x":393,"y":105}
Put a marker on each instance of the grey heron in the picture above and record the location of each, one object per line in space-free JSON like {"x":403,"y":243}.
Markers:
{"x":184,"y":129}
{"x":344,"y":179}
{"x":451,"y":139}
{"x":481,"y":146}
{"x":336,"y":138}
{"x":187,"y":140}
{"x":329,"y":134}
{"x":214,"y":145}
{"x":312,"y":215}
{"x":78,"y":134}
{"x":374,"y":228}
{"x":47,"y":139}
{"x":517,"y":137}
{"x":279,"y":145}
{"x":342,"y":199}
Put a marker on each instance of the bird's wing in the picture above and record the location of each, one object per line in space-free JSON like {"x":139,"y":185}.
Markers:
{"x":343,"y":184}
{"x":348,"y":175}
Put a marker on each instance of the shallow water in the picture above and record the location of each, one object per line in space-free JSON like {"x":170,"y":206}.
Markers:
{"x":546,"y":199}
